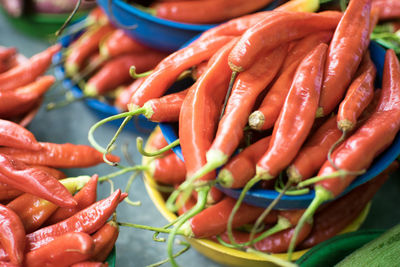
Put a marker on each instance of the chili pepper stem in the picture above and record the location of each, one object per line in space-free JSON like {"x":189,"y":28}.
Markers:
{"x":239,"y":201}
{"x":127,"y":189}
{"x":296,"y":192}
{"x":201,"y":202}
{"x":111,"y":118}
{"x":321,"y":195}
{"x":78,"y":182}
{"x":135,"y":75}
{"x":186,"y":248}
{"x":225,"y":178}
{"x":340,"y":140}
{"x":294,"y":176}
{"x":215,"y":159}
{"x":263,"y":174}
{"x":335,"y":174}
{"x":139,"y":145}
{"x":149,"y":228}
{"x":256,"y":120}
{"x":65,"y":24}
{"x":123,"y":171}
{"x":271,"y":258}
{"x":319,"y":113}
{"x":228,"y":93}
{"x":281,"y":224}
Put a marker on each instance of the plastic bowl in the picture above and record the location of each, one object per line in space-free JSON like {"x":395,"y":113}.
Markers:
{"x":263,"y":197}
{"x":155,"y":32}
{"x":220,"y":253}
{"x":101,"y":109}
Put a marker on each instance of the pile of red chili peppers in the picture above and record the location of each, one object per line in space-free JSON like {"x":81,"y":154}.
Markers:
{"x":306,"y":83}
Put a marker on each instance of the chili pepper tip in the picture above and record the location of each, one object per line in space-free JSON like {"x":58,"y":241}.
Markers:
{"x":294,"y":176}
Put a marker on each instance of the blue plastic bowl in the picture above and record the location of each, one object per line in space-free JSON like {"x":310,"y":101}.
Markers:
{"x":263,"y":197}
{"x":155,"y":32}
{"x":101,"y":109}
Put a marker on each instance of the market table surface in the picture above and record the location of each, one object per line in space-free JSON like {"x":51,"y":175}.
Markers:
{"x":136,"y":247}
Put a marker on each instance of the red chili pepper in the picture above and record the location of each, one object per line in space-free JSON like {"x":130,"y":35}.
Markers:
{"x":214,"y":219}
{"x":59,"y":155}
{"x":242,"y":167}
{"x":53,"y":172}
{"x":336,"y":215}
{"x":90,"y":264}
{"x":358,"y":96}
{"x":87,"y":44}
{"x":359,"y":150}
{"x":34,"y":211}
{"x":85,"y":197}
{"x":206,"y":11}
{"x":248,"y":85}
{"x":64,"y":250}
{"x":104,"y":241}
{"x":279,"y":28}
{"x":299,"y":6}
{"x":24,"y":74}
{"x":7,"y":52}
{"x":12,"y":234}
{"x":198,"y":70}
{"x":314,"y":152}
{"x":189,"y":203}
{"x":268,"y":112}
{"x":19,"y":101}
{"x":119,"y":43}
{"x":14,"y":135}
{"x":8,"y":264}
{"x":169,"y":169}
{"x":123,"y":99}
{"x":7,"y":192}
{"x":388,"y":9}
{"x":116,"y":71}
{"x":168,"y":70}
{"x":157,"y":140}
{"x":88,"y":221}
{"x":297,"y":115}
{"x":34,"y":181}
{"x":348,"y":45}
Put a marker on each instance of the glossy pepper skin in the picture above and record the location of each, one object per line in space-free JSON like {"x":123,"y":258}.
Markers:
{"x":88,"y":221}
{"x":34,"y":181}
{"x":104,"y":240}
{"x":297,"y":115}
{"x":12,"y":235}
{"x":206,"y":11}
{"x":346,"y":50}
{"x":24,"y":74}
{"x":388,"y":9}
{"x":281,"y":27}
{"x":376,"y":134}
{"x":59,"y":155}
{"x":169,"y":169}
{"x":64,"y":250}
{"x":169,"y":69}
{"x":336,"y":215}
{"x":14,"y":135}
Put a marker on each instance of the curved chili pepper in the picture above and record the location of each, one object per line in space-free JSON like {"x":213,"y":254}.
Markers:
{"x":359,"y":150}
{"x":268,"y":112}
{"x":19,"y":101}
{"x":24,"y":74}
{"x":336,"y":215}
{"x":88,"y":221}
{"x":34,"y":211}
{"x":296,"y":118}
{"x":7,"y":192}
{"x":201,"y":225}
{"x":87,"y":44}
{"x":85,"y":197}
{"x":14,"y":135}
{"x":248,"y":85}
{"x":59,"y":155}
{"x":7,"y":52}
{"x":242,"y":167}
{"x":348,"y":45}
{"x":281,"y":27}
{"x":206,"y":11}
{"x":119,"y":43}
{"x":34,"y":181}
{"x":313,"y":153}
{"x":64,"y":250}
{"x":53,"y":172}
{"x":104,"y":241}
{"x":12,"y":234}
{"x":169,"y":169}
{"x":115,"y":72}
{"x":90,"y":264}
{"x":358,"y":96}
{"x":167,"y":71}
{"x":157,"y":140}
{"x":124,"y":98}
{"x":388,"y":9}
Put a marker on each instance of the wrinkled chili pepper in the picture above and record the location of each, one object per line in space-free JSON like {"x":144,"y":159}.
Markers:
{"x":34,"y":181}
{"x":12,"y":234}
{"x":64,"y":250}
{"x":59,"y":155}
{"x":346,"y":50}
{"x":14,"y":135}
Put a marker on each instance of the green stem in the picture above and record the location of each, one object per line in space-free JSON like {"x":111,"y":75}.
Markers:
{"x":103,"y":121}
{"x":186,"y":248}
{"x":277,"y":261}
{"x":64,"y":103}
{"x":65,"y":24}
{"x":140,"y":148}
{"x":123,"y":171}
{"x":135,"y":75}
{"x":170,"y":203}
{"x":321,"y":195}
{"x":228,"y":93}
{"x":335,"y":174}
{"x":201,"y":202}
{"x":149,"y":228}
{"x":127,"y":189}
{"x":340,"y":140}
{"x":239,"y":201}
{"x":111,"y":143}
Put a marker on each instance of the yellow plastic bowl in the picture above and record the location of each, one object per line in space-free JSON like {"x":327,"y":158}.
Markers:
{"x":224,"y":255}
